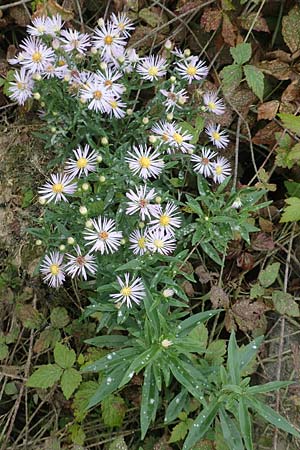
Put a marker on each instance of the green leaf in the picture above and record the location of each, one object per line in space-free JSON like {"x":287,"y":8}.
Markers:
{"x":245,"y":423}
{"x":150,"y":398}
{"x":140,"y":362}
{"x":268,"y":387}
{"x":70,"y":381}
{"x":255,"y":80}
{"x":118,"y":444}
{"x":233,"y":365}
{"x":188,"y":324}
{"x":215,"y":351}
{"x":114,"y":359}
{"x":290,"y":122}
{"x":201,"y":424}
{"x":81,"y":399}
{"x":77,"y":434}
{"x":272,"y":416}
{"x":109,"y":384}
{"x":110,"y":340}
{"x":211,"y":252}
{"x":3,"y":351}
{"x":188,"y":376}
{"x":133,"y":264}
{"x":284,"y":303}
{"x":293,"y":188}
{"x":294,"y":154}
{"x":241,"y":53}
{"x":256,"y":291}
{"x":44,"y":377}
{"x":291,"y":213}
{"x":269,"y":274}
{"x":59,"y":317}
{"x":113,"y":410}
{"x":179,"y":432}
{"x":248,"y":352}
{"x":230,"y":431}
{"x":176,"y":406}
{"x":64,"y":357}
{"x":232,"y":76}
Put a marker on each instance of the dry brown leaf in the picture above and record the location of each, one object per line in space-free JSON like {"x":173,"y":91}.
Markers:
{"x":211,"y":19}
{"x":229,"y":321}
{"x":219,"y":298}
{"x":249,"y":315}
{"x":229,"y":31}
{"x":245,"y":261}
{"x":277,"y":69}
{"x":204,"y":275}
{"x":188,"y":288}
{"x":268,"y":110}
{"x":265,"y":225}
{"x":241,"y":99}
{"x":291,"y":29}
{"x":143,"y":38}
{"x":266,"y":135}
{"x":262,"y":242}
{"x":50,"y":7}
{"x":19,"y":14}
{"x":279,"y":54}
{"x":259,"y":25}
{"x":292,"y":92}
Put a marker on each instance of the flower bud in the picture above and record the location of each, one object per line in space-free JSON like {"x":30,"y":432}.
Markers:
{"x":62,"y":247}
{"x":145,"y":120}
{"x":85,"y":186}
{"x":168,"y":44}
{"x":37,"y":77}
{"x":104,"y":141}
{"x":103,"y":65}
{"x":53,"y":130}
{"x":158,"y":200}
{"x":42,"y":200}
{"x":187,"y":52}
{"x":70,"y":240}
{"x":89,"y":224}
{"x":100,"y":22}
{"x":99,"y":158}
{"x":94,"y":51}
{"x":37,"y":96}
{"x":38,"y":242}
{"x":152,"y":139}
{"x":83,"y":210}
{"x":168,"y":293}
{"x":166,"y":343}
{"x":170,"y":117}
{"x":173,"y":79}
{"x":141,"y":225}
{"x":129,"y":111}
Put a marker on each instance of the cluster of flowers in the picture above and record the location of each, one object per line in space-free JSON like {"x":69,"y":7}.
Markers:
{"x":52,"y":52}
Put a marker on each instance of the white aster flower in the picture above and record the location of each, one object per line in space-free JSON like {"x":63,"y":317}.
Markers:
{"x":152,"y":67}
{"x":54,"y":25}
{"x":138,"y":242}
{"x":103,"y":236}
{"x":221,"y":169}
{"x":108,"y":40}
{"x":166,"y":219}
{"x":80,"y":265}
{"x":85,"y":162}
{"x":122,"y":23}
{"x":213,"y":103}
{"x":53,"y":270}
{"x":179,"y":139}
{"x":144,"y":162}
{"x":203,"y":162}
{"x":218,"y":138}
{"x":58,"y":185}
{"x":192,"y":69}
{"x":174,"y":99}
{"x":116,"y":108}
{"x":97,"y":95}
{"x":237,"y":203}
{"x":38,"y":27}
{"x":160,"y":241}
{"x":52,"y":71}
{"x":140,"y":201}
{"x":131,"y":291}
{"x":21,"y":89}
{"x":73,"y":40}
{"x":108,"y":79}
{"x":36,"y":56}
{"x":163,"y":130}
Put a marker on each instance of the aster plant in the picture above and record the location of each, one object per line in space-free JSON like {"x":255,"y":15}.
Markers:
{"x":142,"y":187}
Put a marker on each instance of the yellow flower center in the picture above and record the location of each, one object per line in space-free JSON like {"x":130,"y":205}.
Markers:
{"x":216,"y":136}
{"x":81,"y":163}
{"x":58,"y":188}
{"x":97,"y":95}
{"x":37,"y":57}
{"x":41,"y":29}
{"x":177,"y":138}
{"x":145,"y":162}
{"x":141,"y":242}
{"x":153,"y":71}
{"x":108,"y":83}
{"x":219,"y":170}
{"x":211,"y":105}
{"x":21,"y":85}
{"x":108,"y":40}
{"x":103,"y":235}
{"x":191,"y":70}
{"x":54,"y":269}
{"x":165,"y":137}
{"x":158,"y":243}
{"x":126,"y":291}
{"x":164,"y":220}
{"x":121,"y":26}
{"x":61,"y":62}
{"x":113,"y":104}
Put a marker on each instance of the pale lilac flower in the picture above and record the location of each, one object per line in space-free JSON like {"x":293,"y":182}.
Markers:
{"x":163,"y":130}
{"x":122,"y":23}
{"x":35,"y":56}
{"x":103,"y":236}
{"x":160,"y":241}
{"x":21,"y":89}
{"x":52,"y":71}
{"x":108,"y":40}
{"x":219,"y":138}
{"x":53,"y":269}
{"x":145,"y":162}
{"x":213,"y":103}
{"x":85,"y":162}
{"x":38,"y":27}
{"x":131,"y":291}
{"x":54,"y":25}
{"x":166,"y":219}
{"x":237,"y":203}
{"x":221,"y":169}
{"x":192,"y":69}
{"x":174,"y":99}
{"x":58,"y":185}
{"x":98,"y":97}
{"x":79,"y":264}
{"x":179,"y":139}
{"x":140,"y":201}
{"x":138,"y":242}
{"x":152,"y":67}
{"x":203,"y":162}
{"x":108,"y":79}
{"x":73,"y":40}
{"x":116,"y":108}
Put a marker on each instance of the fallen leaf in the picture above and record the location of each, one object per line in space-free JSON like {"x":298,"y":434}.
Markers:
{"x":203,"y":274}
{"x":219,"y":298}
{"x":260,"y":23}
{"x":279,"y":54}
{"x":51,"y":8}
{"x":262,"y":242}
{"x":277,"y":69}
{"x":265,"y":225}
{"x":284,"y":303}
{"x":245,"y":261}
{"x":19,"y":14}
{"x":143,"y":38}
{"x":249,"y":315}
{"x":266,"y":135}
{"x":291,"y":29}
{"x":229,"y":31}
{"x":211,"y":19}
{"x":188,"y":288}
{"x":292,"y":92}
{"x":268,"y":110}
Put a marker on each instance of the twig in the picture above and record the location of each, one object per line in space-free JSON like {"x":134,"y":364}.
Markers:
{"x":237,"y":145}
{"x":10,"y":5}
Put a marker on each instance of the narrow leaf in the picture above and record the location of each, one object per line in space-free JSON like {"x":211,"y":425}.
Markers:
{"x":201,"y":424}
{"x":150,"y":398}
{"x":245,"y":423}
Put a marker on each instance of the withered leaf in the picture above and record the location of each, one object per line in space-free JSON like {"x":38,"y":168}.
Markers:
{"x":249,"y":315}
{"x":260,"y":23}
{"x":262,"y":242}
{"x":266,"y":135}
{"x":143,"y":37}
{"x":245,"y":261}
{"x":277,"y":69}
{"x":204,"y":275}
{"x":211,"y":19}
{"x":292,"y":92}
{"x":265,"y":225}
{"x":219,"y":298}
{"x":19,"y":14}
{"x":51,"y":8}
{"x":268,"y":110}
{"x":188,"y":288}
{"x":291,"y":29}
{"x":229,"y":31}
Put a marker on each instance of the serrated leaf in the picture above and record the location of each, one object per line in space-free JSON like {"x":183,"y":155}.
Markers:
{"x":77,"y":434}
{"x":241,"y":53}
{"x":45,"y":376}
{"x":113,"y":410}
{"x":81,"y":399}
{"x":256,"y":291}
{"x":59,"y":317}
{"x":294,"y":154}
{"x":290,"y":122}
{"x":284,"y":303}
{"x":291,"y":213}
{"x":3,"y":351}
{"x":269,"y":274}
{"x":231,"y":76}
{"x":64,"y":357}
{"x":179,"y":432}
{"x":255,"y":80}
{"x":293,"y":188}
{"x":70,"y":381}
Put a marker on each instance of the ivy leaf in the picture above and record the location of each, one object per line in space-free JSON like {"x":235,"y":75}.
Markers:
{"x":179,"y":432}
{"x":241,"y":53}
{"x":291,"y":213}
{"x":64,"y":357}
{"x":255,"y":80}
{"x":113,"y":410}
{"x":269,"y":274}
{"x":45,"y":377}
{"x":231,"y":76}
{"x":70,"y":381}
